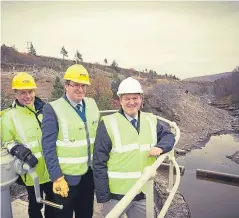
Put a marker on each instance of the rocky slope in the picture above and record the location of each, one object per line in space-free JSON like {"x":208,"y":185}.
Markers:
{"x":196,"y":119}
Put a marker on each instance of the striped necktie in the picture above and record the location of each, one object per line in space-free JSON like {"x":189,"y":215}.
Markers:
{"x":134,"y":123}
{"x":79,"y":107}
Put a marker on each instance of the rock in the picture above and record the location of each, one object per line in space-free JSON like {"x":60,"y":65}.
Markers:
{"x":234,"y":157}
{"x":178,"y":208}
{"x":180,"y":151}
{"x":196,"y":119}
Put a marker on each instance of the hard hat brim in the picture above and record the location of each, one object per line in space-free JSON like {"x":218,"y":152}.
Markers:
{"x":124,"y":93}
{"x":28,"y":87}
{"x":79,"y":81}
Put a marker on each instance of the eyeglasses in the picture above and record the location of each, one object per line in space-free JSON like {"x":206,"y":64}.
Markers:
{"x":77,"y":85}
{"x":25,"y":93}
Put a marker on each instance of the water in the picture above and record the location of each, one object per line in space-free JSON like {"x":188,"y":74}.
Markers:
{"x":208,"y":199}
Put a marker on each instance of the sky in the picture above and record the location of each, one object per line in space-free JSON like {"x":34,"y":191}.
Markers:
{"x":186,"y":39}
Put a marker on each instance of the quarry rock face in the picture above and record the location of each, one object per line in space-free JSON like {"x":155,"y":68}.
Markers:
{"x":196,"y":119}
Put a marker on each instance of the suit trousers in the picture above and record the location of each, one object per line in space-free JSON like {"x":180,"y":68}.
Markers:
{"x":136,"y":209}
{"x":80,"y":199}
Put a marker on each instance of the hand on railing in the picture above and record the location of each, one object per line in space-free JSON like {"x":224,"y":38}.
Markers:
{"x":154,"y":152}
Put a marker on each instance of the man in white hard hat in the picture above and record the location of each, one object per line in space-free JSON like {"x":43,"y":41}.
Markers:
{"x":127,"y":142}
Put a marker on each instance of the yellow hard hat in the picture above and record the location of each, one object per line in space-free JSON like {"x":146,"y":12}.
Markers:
{"x":23,"y":81}
{"x":77,"y":73}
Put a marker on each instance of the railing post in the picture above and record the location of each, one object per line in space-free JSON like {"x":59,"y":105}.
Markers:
{"x":171,"y":175}
{"x":150,"y":198}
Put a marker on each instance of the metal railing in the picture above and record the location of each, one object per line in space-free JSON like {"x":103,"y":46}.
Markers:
{"x":147,"y":179}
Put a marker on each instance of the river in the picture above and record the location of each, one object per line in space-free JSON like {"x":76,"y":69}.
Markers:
{"x":209,"y":199}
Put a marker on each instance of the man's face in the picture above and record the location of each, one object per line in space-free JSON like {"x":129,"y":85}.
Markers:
{"x":75,"y":91}
{"x":131,"y":103}
{"x":26,"y":97}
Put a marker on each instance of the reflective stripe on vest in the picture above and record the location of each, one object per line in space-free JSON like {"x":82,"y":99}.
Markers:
{"x":75,"y":143}
{"x":129,"y":153}
{"x":131,"y":175}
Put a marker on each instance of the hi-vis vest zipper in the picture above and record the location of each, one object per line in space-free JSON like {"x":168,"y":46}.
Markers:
{"x":129,"y":154}
{"x":75,"y":137}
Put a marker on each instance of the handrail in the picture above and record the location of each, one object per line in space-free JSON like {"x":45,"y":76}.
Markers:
{"x":172,"y":192}
{"x":126,"y":200}
{"x":108,"y":111}
{"x":147,"y":176}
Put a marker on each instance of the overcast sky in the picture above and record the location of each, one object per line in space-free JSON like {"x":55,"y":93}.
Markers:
{"x":184,"y":38}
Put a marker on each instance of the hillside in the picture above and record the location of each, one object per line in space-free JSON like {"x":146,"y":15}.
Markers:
{"x":197,"y":120}
{"x":209,"y":78}
{"x":12,"y":60}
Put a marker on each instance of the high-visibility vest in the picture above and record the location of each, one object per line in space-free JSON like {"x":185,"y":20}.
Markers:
{"x":20,"y":126}
{"x":74,"y":136}
{"x":130,"y":149}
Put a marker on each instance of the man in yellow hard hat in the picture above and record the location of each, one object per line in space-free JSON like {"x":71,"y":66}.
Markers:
{"x":21,"y":135}
{"x":69,"y":127}
{"x":126,"y":143}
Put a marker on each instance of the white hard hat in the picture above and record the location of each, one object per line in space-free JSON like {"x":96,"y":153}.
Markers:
{"x":129,"y":86}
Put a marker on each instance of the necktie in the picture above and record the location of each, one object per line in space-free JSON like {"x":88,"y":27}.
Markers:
{"x":79,"y":107}
{"x":134,"y":123}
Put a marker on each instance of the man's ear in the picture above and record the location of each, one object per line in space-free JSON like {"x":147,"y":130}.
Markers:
{"x":66,"y":87}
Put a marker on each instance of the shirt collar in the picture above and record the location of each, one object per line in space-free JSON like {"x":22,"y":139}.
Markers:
{"x":131,"y":118}
{"x":74,"y":104}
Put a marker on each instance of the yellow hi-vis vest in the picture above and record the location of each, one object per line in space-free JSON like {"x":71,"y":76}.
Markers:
{"x":74,"y":136}
{"x":129,"y":153}
{"x":20,"y":126}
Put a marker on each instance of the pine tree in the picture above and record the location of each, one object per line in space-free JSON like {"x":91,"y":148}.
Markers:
{"x":78,"y":56}
{"x":58,"y":89}
{"x":32,"y":50}
{"x":64,"y":52}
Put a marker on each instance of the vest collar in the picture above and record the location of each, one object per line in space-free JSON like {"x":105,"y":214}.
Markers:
{"x":121,"y":111}
{"x":38,"y":104}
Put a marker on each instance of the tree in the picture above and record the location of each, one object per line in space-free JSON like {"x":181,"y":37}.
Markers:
{"x":105,"y":61}
{"x":236,"y":69}
{"x":78,"y":57}
{"x":100,"y":90}
{"x":114,"y":64}
{"x":58,"y":89}
{"x":152,"y":74}
{"x":115,"y":84}
{"x":32,"y":50}
{"x":64,"y":52}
